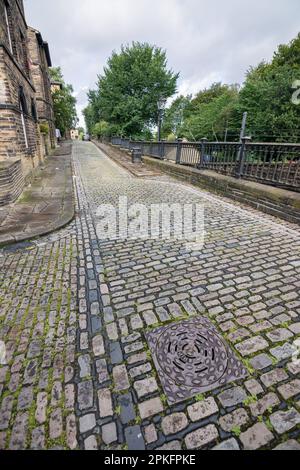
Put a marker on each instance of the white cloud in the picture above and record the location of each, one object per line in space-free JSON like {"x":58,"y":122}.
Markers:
{"x":206,"y":40}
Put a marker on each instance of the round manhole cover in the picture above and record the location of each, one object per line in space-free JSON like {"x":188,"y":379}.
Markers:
{"x":192,"y":355}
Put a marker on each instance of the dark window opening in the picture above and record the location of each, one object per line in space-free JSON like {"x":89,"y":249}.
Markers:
{"x":24,"y":110}
{"x":33,"y":110}
{"x":7,"y":15}
{"x":24,"y":58}
{"x":22,"y":99}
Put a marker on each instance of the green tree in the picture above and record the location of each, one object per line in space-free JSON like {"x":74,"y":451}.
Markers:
{"x":211,"y":112}
{"x":101,"y":129}
{"x":127,"y":93}
{"x":267,"y":96}
{"x":64,"y":103}
{"x":175,"y":116}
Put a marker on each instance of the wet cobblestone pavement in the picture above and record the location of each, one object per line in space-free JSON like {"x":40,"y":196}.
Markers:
{"x":75,"y":311}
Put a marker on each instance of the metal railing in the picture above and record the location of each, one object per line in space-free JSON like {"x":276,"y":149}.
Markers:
{"x":270,"y":163}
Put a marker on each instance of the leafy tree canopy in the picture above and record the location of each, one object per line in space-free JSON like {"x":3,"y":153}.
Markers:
{"x":267,"y":96}
{"x":129,"y":89}
{"x":64,"y":103}
{"x":211,"y":112}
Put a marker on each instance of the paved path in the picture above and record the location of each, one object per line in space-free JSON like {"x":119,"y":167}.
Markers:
{"x":74,"y":312}
{"x":46,"y":204}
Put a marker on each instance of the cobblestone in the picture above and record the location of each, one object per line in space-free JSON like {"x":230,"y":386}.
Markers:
{"x":75,"y":308}
{"x":284,"y":421}
{"x":201,"y":437}
{"x":202,"y":409}
{"x":236,"y":419}
{"x":267,"y":402}
{"x":230,"y":444}
{"x":290,"y":389}
{"x":174,"y":423}
{"x":232,"y":397}
{"x":256,"y":437}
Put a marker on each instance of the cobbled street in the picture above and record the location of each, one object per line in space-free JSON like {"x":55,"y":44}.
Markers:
{"x":75,"y":310}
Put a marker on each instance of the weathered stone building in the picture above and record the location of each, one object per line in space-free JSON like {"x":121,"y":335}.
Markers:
{"x":40,"y":61}
{"x":21,"y":148}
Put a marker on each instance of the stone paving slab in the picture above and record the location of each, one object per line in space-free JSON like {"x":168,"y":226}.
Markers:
{"x":139,"y":170}
{"x":74,"y":310}
{"x":46,"y":205}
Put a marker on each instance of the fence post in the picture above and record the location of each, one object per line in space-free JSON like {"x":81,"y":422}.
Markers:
{"x":242,"y":157}
{"x":178,"y":152}
{"x":162,"y":149}
{"x":202,"y":152}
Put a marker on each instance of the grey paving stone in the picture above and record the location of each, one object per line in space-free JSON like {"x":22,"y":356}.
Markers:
{"x":174,"y":445}
{"x":283,"y":352}
{"x":290,"y":389}
{"x":90,"y":443}
{"x":105,"y":403}
{"x":230,"y":444}
{"x":256,"y":437}
{"x":96,"y":324}
{"x":174,"y":423}
{"x":85,"y":395}
{"x":284,"y":421}
{"x":273,"y":377}
{"x":127,"y":408}
{"x":291,"y":444}
{"x":109,"y":433}
{"x":25,"y":398}
{"x":87,"y":423}
{"x":140,"y":370}
{"x":145,"y":387}
{"x":261,"y":361}
{"x":116,"y":355}
{"x":252,"y":345}
{"x":267,"y":402}
{"x":232,"y":396}
{"x":237,"y":419}
{"x":98,"y":346}
{"x":202,"y":409}
{"x":279,"y":335}
{"x":150,"y":434}
{"x":121,"y":378}
{"x":201,"y":437}
{"x":150,"y":407}
{"x":253,"y":387}
{"x":18,"y":434}
{"x":134,"y":438}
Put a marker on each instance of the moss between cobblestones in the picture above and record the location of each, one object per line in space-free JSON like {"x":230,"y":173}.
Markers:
{"x":250,"y":400}
{"x":200,"y":397}
{"x":236,"y":431}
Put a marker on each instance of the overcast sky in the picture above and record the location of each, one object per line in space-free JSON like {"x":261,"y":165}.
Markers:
{"x":206,"y":40}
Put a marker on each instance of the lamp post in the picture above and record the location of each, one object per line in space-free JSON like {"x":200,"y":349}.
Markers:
{"x":160,"y":106}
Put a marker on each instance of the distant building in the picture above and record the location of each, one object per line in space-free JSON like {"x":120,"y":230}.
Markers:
{"x":55,"y":86}
{"x":40,"y":61}
{"x":74,"y":134}
{"x":24,"y":100}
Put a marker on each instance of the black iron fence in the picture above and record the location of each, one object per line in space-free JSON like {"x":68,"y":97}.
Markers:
{"x":271,"y":163}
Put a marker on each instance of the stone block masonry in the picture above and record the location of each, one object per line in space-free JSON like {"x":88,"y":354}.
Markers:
{"x":20,"y":138}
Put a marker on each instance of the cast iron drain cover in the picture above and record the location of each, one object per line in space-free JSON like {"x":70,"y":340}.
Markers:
{"x":191,"y":357}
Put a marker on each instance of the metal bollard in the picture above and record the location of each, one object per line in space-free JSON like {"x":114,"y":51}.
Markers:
{"x":136,"y":155}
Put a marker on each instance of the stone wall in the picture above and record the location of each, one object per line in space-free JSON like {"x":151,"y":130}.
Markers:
{"x":278,"y":202}
{"x":11,"y":181}
{"x":13,"y":141}
{"x":42,"y":82}
{"x":20,"y":138}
